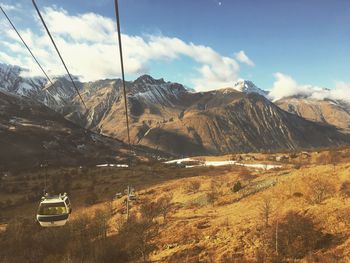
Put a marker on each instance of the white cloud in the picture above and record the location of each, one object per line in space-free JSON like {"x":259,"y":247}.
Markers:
{"x":8,"y":7}
{"x":82,"y":27}
{"x":341,"y":91}
{"x":88,"y":43}
{"x":286,"y":86}
{"x":242,"y":57}
{"x":216,"y":71}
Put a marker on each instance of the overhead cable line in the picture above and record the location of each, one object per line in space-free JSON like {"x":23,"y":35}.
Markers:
{"x":58,"y":52}
{"x":122,"y":69}
{"x":25,"y":44}
{"x":125,"y":100}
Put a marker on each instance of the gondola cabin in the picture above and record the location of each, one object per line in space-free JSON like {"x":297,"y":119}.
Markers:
{"x":54,"y":211}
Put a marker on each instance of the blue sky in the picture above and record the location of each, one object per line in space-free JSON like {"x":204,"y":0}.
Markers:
{"x":305,"y":39}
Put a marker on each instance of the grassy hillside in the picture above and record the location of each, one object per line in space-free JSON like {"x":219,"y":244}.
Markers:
{"x":224,"y":214}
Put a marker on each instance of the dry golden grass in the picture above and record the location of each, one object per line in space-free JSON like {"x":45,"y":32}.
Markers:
{"x":231,"y":227}
{"x":201,"y":231}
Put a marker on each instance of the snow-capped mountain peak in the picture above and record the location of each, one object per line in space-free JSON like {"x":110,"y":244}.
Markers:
{"x":247,"y":86}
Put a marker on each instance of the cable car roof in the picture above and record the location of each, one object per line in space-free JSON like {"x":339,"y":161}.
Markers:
{"x":53,"y":198}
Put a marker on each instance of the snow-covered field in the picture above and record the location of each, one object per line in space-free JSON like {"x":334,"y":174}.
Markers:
{"x":222,"y":163}
{"x":113,"y":165}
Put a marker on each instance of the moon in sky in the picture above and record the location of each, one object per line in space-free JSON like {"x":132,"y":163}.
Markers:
{"x":220,"y":3}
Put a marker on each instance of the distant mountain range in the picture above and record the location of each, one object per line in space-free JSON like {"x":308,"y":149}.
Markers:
{"x":31,"y":133}
{"x":169,"y":117}
{"x":327,"y":111}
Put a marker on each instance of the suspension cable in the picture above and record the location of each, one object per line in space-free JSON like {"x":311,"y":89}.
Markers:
{"x":125,"y":102}
{"x":25,"y":44}
{"x":35,"y":59}
{"x":122,"y":68}
{"x":58,"y":52}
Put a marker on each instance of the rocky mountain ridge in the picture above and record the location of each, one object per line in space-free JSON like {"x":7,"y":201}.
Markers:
{"x":168,"y":117}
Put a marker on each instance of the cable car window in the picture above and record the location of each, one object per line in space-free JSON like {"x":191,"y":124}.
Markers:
{"x":52,"y":209}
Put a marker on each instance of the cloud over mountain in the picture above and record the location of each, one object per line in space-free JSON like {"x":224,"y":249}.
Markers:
{"x":286,"y":86}
{"x":88,"y":42}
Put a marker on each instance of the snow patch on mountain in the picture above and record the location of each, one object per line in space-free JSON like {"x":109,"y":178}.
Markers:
{"x":151,"y":90}
{"x":163,"y":94}
{"x":247,"y":86}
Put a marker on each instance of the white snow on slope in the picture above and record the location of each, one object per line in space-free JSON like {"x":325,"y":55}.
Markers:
{"x":247,"y":86}
{"x":113,"y":165}
{"x":223,"y":163}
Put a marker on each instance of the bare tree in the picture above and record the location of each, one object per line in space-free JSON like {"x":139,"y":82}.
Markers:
{"x":165,"y":205}
{"x":294,"y":236}
{"x":214,"y":193}
{"x":319,"y":188}
{"x":150,"y":210}
{"x":140,"y":232}
{"x":100,"y":223}
{"x":334,"y":158}
{"x":80,"y":228}
{"x":144,"y":232}
{"x":265,"y":209}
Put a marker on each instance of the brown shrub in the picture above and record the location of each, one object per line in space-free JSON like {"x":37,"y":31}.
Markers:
{"x":236,"y":187}
{"x":139,"y":234}
{"x":295,"y":236}
{"x":245,"y":174}
{"x":165,"y":205}
{"x":319,"y":188}
{"x":91,"y":198}
{"x":345,"y":189}
{"x":193,"y":186}
{"x":150,"y":210}
{"x":24,"y":241}
{"x":322,"y":159}
{"x":81,"y":240}
{"x":109,"y":251}
{"x":187,"y":255}
{"x":214,"y":192}
{"x":328,"y":258}
{"x":297,"y":194}
{"x":100,"y":224}
{"x":334,"y":157}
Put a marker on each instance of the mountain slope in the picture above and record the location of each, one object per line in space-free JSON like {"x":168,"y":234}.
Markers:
{"x":171,"y":119}
{"x":31,"y":133}
{"x":331,"y":112}
{"x":244,"y":123}
{"x":168,"y":117}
